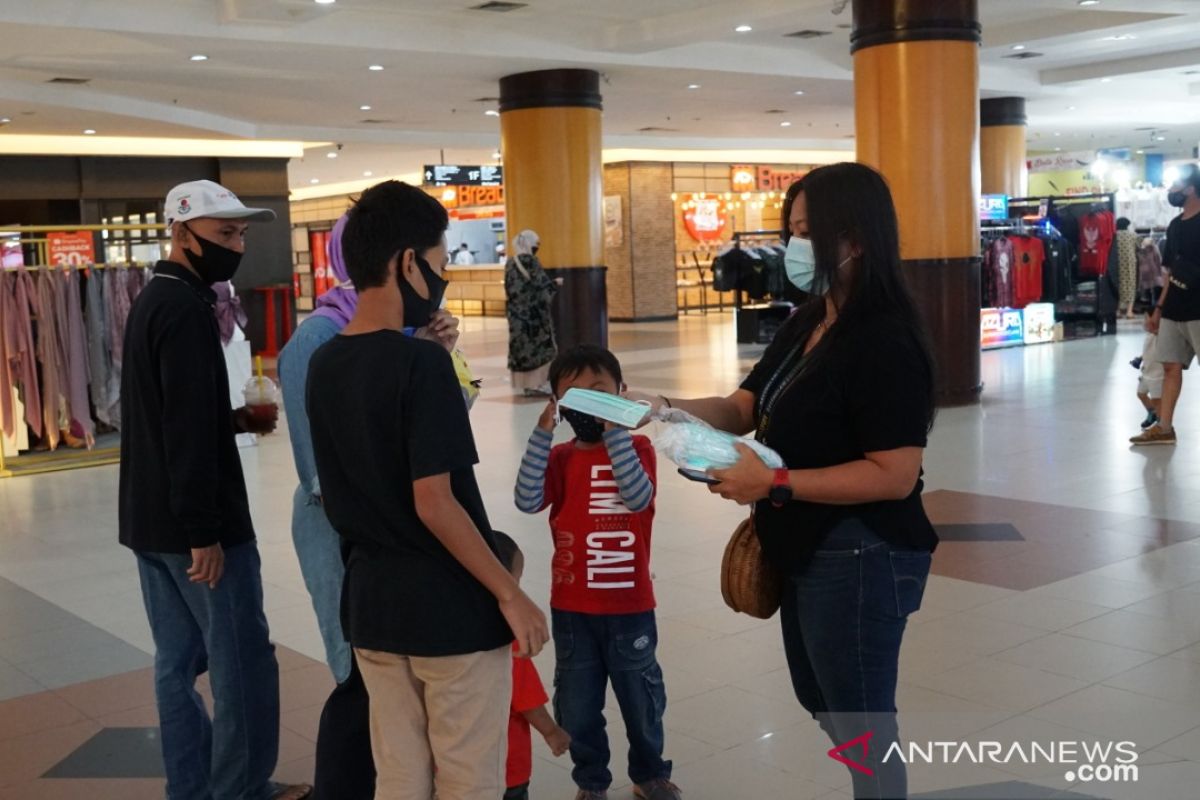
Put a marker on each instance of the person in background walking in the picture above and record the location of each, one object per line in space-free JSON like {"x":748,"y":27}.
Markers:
{"x":529,"y":290}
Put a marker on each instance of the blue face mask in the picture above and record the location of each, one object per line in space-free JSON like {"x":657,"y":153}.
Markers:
{"x":801,"y":263}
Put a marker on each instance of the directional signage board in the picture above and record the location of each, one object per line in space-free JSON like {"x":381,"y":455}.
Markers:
{"x":459,"y":175}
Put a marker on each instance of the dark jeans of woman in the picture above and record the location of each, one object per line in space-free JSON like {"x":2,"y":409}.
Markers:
{"x":843,"y":619}
{"x":345,"y":767}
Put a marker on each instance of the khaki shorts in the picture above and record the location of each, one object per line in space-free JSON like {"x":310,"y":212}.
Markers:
{"x":1178,"y":342}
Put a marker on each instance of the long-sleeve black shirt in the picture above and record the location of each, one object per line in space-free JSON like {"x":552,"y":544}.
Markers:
{"x":181,"y":476}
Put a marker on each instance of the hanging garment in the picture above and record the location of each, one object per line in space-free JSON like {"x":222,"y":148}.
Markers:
{"x":1056,"y":269}
{"x":1150,"y":267}
{"x":22,"y":348}
{"x":52,"y":357}
{"x":99,"y":345}
{"x":1127,"y":266}
{"x":1000,"y":277}
{"x":8,"y":354}
{"x":78,"y":373}
{"x":1096,"y":229}
{"x":1028,"y":256}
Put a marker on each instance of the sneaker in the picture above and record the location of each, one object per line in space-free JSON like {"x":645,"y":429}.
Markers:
{"x":658,"y":789}
{"x":1155,"y":434}
{"x":584,"y":794}
{"x":1151,"y":419}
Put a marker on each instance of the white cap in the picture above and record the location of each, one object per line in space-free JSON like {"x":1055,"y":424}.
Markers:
{"x":197,"y":199}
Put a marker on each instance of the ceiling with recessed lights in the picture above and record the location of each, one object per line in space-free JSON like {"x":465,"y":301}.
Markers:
{"x":677,"y":73}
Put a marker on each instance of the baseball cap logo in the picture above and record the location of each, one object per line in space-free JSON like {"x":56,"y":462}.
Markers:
{"x":837,"y":753}
{"x":184,"y":206}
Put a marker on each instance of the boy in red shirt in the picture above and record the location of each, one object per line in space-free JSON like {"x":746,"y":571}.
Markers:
{"x":528,"y":699}
{"x":600,"y":490}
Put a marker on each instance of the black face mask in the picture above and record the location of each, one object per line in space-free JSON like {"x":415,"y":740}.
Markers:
{"x":588,"y":429}
{"x":215,"y":263}
{"x":534,"y":249}
{"x":1177,"y":199}
{"x":419,"y":310}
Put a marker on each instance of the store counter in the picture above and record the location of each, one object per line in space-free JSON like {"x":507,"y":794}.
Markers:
{"x":476,"y":290}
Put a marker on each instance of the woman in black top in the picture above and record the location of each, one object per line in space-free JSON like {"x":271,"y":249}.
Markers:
{"x":845,"y":395}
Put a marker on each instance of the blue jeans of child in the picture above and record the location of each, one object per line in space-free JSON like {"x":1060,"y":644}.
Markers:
{"x":223,"y":630}
{"x":843,"y":619}
{"x":591,"y":650}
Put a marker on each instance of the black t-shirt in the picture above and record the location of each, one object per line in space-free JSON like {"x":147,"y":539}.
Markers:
{"x":870,"y":392}
{"x":1181,"y":255}
{"x":181,"y":484}
{"x":386,"y":410}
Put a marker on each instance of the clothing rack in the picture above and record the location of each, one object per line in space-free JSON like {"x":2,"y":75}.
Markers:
{"x":757,"y":323}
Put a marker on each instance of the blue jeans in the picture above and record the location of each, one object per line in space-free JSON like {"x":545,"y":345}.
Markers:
{"x":223,"y":630}
{"x":591,"y":650}
{"x":320,"y":553}
{"x":843,"y":618}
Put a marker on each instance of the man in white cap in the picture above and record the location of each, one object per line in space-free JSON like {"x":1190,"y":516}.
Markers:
{"x":185,"y":514}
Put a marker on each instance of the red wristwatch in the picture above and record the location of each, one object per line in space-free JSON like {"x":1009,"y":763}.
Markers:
{"x":781,"y":488}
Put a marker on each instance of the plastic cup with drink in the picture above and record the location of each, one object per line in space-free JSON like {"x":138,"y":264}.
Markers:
{"x":262,"y":399}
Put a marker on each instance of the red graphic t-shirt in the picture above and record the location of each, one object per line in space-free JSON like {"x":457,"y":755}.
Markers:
{"x":1028,"y":255}
{"x":1096,"y":232}
{"x":528,"y":694}
{"x":601,"y":549}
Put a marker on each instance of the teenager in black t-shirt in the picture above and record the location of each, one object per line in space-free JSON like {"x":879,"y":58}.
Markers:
{"x":1176,"y":318}
{"x":426,"y":604}
{"x":845,"y":395}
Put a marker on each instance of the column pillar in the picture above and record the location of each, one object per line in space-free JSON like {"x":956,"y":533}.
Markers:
{"x":1002,"y":146}
{"x":554,"y":183}
{"x":916,"y":86}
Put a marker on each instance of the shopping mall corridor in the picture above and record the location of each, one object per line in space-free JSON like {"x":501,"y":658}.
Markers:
{"x":1065,"y":602}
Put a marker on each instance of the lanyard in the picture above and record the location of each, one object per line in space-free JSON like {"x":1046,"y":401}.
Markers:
{"x":789,"y":371}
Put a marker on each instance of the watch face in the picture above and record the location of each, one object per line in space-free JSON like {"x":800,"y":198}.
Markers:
{"x":780,"y":495}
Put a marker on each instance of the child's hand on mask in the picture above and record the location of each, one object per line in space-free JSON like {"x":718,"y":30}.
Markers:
{"x":548,"y":421}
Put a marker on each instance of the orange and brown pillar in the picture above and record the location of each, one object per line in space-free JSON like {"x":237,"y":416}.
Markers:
{"x":916,"y":84}
{"x":1002,"y":146}
{"x":554,"y":185}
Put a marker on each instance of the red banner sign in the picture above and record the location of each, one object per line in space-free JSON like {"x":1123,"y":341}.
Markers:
{"x":71,"y":249}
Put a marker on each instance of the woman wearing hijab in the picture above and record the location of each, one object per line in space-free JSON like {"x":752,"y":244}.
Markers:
{"x":529,"y":290}
{"x":345,"y":769}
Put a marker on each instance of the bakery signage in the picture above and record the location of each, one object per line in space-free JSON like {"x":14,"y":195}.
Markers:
{"x":745,"y":178}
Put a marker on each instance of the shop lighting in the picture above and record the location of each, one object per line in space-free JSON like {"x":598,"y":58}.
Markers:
{"x":785,"y":124}
{"x":5,"y":120}
{"x":743,"y":29}
{"x":1123,"y":37}
{"x":326,"y":2}
{"x":1018,"y":47}
{"x":1170,"y":176}
{"x":693,"y":86}
{"x":376,"y":68}
{"x":364,"y":108}
{"x":89,"y":132}
{"x":1106,"y":80}
{"x":315,"y":181}
{"x":491,"y":112}
{"x":368,"y":174}
{"x":199,"y":57}
{"x":1099,"y":167}
{"x":1121,"y":176}
{"x":1089,"y":2}
{"x":331,"y":155}
{"x":1160,"y":138}
{"x":745,"y":195}
{"x":1058,"y":133}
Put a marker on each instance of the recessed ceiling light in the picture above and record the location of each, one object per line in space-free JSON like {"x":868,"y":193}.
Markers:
{"x":331,"y":155}
{"x":785,"y":124}
{"x":5,"y":120}
{"x":368,"y":174}
{"x":491,"y":112}
{"x":799,"y":91}
{"x":1018,"y":47}
{"x":376,"y":68}
{"x":1141,"y":152}
{"x":326,"y":2}
{"x":743,"y":29}
{"x":1106,"y":80}
{"x":1070,"y":108}
{"x":1089,"y":2}
{"x":1124,"y":37}
{"x":1056,"y":133}
{"x":693,"y":86}
{"x":1160,"y":138}
{"x":364,"y":108}
{"x":89,"y":132}
{"x":315,"y":181}
{"x":199,"y":57}
{"x":496,"y":155}
{"x":1058,"y":149}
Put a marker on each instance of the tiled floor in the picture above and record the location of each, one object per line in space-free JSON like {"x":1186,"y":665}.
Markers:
{"x":1065,"y":604}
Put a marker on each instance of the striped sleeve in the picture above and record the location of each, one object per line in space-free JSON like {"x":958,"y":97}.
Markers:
{"x":635,"y":486}
{"x":530,"y":491}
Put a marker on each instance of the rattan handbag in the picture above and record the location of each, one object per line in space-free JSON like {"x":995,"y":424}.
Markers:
{"x":749,"y":584}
